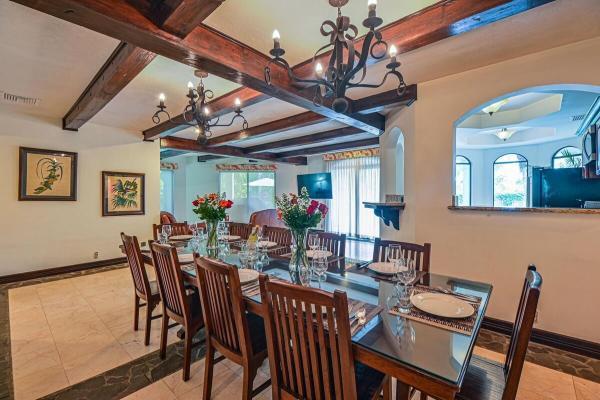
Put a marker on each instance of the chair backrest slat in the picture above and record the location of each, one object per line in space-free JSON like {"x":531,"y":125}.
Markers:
{"x":240,"y":229}
{"x":517,"y":349}
{"x":170,"y":281}
{"x":177,"y":228}
{"x":421,"y":254}
{"x":223,"y":305}
{"x":308,"y":338}
{"x":281,"y":236}
{"x":136,"y":265}
{"x":333,"y":242}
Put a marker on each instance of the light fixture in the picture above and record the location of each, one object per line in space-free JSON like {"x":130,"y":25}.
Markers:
{"x":505,"y":134}
{"x":494,"y":107}
{"x":339,"y":74}
{"x":196,"y":112}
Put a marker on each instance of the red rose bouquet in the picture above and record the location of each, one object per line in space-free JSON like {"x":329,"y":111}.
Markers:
{"x":211,"y":208}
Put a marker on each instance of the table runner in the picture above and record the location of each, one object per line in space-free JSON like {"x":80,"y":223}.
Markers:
{"x":459,"y":325}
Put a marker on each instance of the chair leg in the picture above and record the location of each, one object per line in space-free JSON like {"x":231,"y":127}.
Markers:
{"x":136,"y":312}
{"x":248,"y":382}
{"x":402,"y":391}
{"x":164,"y":331}
{"x":387,"y":388}
{"x":209,"y":363}
{"x":187,"y":354}
{"x":149,"y":309}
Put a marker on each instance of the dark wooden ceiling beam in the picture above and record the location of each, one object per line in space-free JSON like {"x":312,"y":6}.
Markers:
{"x":295,"y":121}
{"x":189,"y":145}
{"x":128,"y":60}
{"x":171,"y":153}
{"x":432,"y":24}
{"x":220,"y":106}
{"x":377,"y":102}
{"x":124,"y":64}
{"x":209,"y":157}
{"x":204,"y":48}
{"x":304,"y":140}
{"x":330,"y":147}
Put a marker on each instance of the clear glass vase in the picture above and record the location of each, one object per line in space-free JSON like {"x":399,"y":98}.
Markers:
{"x":299,"y":266}
{"x":212,"y":240}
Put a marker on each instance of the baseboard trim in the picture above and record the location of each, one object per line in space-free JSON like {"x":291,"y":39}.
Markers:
{"x":44,"y":273}
{"x":556,"y":340}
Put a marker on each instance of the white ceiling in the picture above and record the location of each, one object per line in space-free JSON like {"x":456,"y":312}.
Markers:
{"x":532,"y":115}
{"x":51,"y":59}
{"x":299,"y":22}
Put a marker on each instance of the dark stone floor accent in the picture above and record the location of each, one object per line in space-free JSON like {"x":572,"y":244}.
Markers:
{"x":131,"y":377}
{"x":559,"y":360}
{"x":6,"y":382}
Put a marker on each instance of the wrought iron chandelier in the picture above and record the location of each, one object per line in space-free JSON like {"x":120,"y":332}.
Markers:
{"x":341,"y":73}
{"x":197,"y":113}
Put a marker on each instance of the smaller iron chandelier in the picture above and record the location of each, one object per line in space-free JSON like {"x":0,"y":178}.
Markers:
{"x":197,"y":113}
{"x":342,"y":74}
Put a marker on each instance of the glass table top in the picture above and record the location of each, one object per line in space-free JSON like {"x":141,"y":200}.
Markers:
{"x":433,"y":350}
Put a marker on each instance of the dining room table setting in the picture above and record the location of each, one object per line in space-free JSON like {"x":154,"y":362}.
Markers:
{"x":417,"y":326}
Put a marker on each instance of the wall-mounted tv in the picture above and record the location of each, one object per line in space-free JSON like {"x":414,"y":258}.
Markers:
{"x":318,"y":185}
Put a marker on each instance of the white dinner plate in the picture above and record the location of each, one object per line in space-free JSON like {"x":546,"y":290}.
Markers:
{"x":186,"y":258}
{"x":247,"y":275}
{"x":180,"y":237}
{"x":442,"y":305}
{"x":232,"y":237}
{"x":316,"y":253}
{"x":266,"y":243}
{"x":384,"y":268}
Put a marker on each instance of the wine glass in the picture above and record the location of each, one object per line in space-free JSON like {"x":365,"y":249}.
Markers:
{"x":394,"y":253}
{"x":313,"y":241}
{"x":320,"y":264}
{"x":406,"y":277}
{"x":167,"y":230}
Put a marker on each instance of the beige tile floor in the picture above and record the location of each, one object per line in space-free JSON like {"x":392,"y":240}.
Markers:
{"x":98,"y":310}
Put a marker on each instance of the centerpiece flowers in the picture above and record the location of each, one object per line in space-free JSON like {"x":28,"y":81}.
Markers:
{"x":299,"y":213}
{"x":212,"y":209}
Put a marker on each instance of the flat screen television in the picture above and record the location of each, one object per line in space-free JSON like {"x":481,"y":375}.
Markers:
{"x":318,"y":185}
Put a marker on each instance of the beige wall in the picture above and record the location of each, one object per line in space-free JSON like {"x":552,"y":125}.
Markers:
{"x":37,"y":235}
{"x":497,"y":247}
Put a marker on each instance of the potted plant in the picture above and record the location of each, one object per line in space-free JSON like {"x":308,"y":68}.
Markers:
{"x":299,"y":213}
{"x":211,"y":208}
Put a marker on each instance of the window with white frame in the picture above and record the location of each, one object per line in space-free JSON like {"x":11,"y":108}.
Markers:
{"x":250,"y":191}
{"x":463,"y":181}
{"x":510,"y":181}
{"x":567,"y":157}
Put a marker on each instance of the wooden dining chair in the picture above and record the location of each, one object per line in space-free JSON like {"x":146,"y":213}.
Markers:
{"x":488,"y":380}
{"x":179,"y":304}
{"x":281,"y":236}
{"x":419,"y":253}
{"x":144,"y":289}
{"x":240,"y":229}
{"x":336,"y":244}
{"x":177,"y":228}
{"x":236,"y":334}
{"x":310,"y":353}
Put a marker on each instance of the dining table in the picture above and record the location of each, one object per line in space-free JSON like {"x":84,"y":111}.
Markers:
{"x":419,"y":355}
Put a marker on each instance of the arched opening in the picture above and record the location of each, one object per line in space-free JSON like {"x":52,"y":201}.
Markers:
{"x":507,"y":145}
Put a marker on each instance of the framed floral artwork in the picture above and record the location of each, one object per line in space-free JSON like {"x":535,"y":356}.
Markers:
{"x":47,"y":175}
{"x":123,"y":193}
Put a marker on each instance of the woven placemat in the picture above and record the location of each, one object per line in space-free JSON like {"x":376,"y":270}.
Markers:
{"x":459,"y":325}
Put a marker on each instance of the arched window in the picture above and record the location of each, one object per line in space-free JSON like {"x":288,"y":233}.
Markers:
{"x":463,"y":181}
{"x":567,"y":157}
{"x":510,"y":181}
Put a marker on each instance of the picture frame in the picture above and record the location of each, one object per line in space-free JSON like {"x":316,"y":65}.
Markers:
{"x":123,"y":193}
{"x":47,"y":175}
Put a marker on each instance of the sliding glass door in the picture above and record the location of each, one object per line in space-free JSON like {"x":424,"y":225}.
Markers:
{"x":354,"y":181}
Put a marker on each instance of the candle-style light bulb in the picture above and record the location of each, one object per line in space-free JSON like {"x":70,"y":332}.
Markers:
{"x":206,"y":111}
{"x":197,"y":130}
{"x":237,"y":102}
{"x":319,"y":69}
{"x":190,"y":85}
{"x":372,"y":4}
{"x":162,"y":98}
{"x":393,"y":51}
{"x":276,"y":35}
